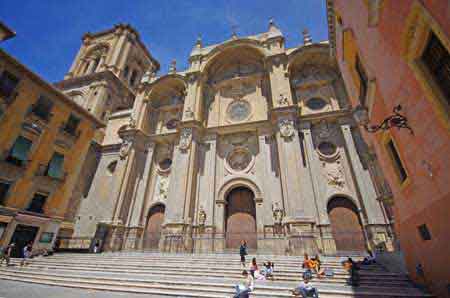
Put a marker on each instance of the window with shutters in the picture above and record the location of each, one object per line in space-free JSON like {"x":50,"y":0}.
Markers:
{"x":55,"y":166}
{"x":18,"y":155}
{"x":436,"y":58}
{"x":42,"y":108}
{"x":72,"y":125}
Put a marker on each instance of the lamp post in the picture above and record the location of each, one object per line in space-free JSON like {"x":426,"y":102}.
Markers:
{"x":397,"y":120}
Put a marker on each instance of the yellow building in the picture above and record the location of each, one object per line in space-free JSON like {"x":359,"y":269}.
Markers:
{"x":44,"y":138}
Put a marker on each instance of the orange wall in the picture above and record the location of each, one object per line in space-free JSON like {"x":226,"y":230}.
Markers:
{"x":424,"y":199}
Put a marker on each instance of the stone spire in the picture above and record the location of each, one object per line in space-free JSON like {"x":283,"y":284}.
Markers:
{"x":173,"y":66}
{"x":307,"y":40}
{"x":272,"y":26}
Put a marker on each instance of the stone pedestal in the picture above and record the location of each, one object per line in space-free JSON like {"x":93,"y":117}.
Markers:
{"x":176,"y":237}
{"x":133,"y":238}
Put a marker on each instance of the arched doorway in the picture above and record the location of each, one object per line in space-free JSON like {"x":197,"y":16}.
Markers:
{"x":154,"y":226}
{"x":240,"y":218}
{"x":346,"y":226}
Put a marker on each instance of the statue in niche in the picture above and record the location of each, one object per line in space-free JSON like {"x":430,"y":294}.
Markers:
{"x":286,"y":127}
{"x":185,"y":138}
{"x":124,"y":149}
{"x":278,"y":214}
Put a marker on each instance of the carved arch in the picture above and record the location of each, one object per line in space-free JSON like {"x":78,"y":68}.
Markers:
{"x":237,"y":181}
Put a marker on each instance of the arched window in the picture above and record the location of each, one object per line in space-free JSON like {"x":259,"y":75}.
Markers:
{"x":133,"y":78}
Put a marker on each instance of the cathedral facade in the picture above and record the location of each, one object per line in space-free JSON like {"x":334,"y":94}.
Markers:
{"x":254,"y":141}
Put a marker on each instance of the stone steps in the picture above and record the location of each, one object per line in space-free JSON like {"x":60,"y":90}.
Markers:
{"x":183,"y":288}
{"x":187,"y":275}
{"x":214,"y":274}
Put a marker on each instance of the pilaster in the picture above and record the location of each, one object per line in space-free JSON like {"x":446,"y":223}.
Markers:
{"x":279,"y":81}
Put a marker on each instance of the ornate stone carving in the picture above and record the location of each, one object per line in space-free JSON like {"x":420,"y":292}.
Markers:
{"x":334,"y":174}
{"x":131,"y":122}
{"x":324,"y":130}
{"x":163,"y":188}
{"x":282,"y":100}
{"x":286,"y":127}
{"x":124,"y":149}
{"x":239,"y":159}
{"x":185,"y":138}
{"x":189,"y":113}
{"x":238,"y":110}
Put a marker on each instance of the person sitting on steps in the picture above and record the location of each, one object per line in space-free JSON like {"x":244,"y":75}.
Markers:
{"x":267,"y":269}
{"x":305,"y":290}
{"x":246,"y":286}
{"x":315,"y":262}
{"x":307,"y":265}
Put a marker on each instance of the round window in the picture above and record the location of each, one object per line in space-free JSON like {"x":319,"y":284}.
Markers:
{"x":165,"y":164}
{"x":238,"y":110}
{"x":316,"y":103}
{"x":327,"y":148}
{"x":172,"y":124}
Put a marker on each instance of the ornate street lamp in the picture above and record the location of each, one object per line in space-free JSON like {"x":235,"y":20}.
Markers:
{"x":361,"y":116}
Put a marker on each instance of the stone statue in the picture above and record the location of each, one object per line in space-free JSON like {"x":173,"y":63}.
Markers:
{"x":185,"y":138}
{"x":335,"y":174}
{"x":286,"y":127}
{"x":124,"y":149}
{"x":201,"y":216}
{"x":277,"y":213}
{"x":163,"y":188}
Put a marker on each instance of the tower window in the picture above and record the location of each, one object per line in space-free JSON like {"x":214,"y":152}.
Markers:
{"x":126,"y":71}
{"x":437,"y":60}
{"x":8,"y":83}
{"x":133,"y":78}
{"x":37,"y":203}
{"x":42,"y":108}
{"x":19,"y":151}
{"x":96,"y":63}
{"x":397,"y":162}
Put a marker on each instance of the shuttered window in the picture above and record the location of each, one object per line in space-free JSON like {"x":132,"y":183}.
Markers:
{"x":437,"y":60}
{"x":42,"y":108}
{"x":19,"y":151}
{"x":37,"y":203}
{"x":55,"y":166}
{"x":8,"y":83}
{"x":398,"y":165}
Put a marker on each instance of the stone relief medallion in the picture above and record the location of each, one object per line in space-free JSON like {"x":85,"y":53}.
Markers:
{"x":185,"y":138}
{"x":239,"y":160}
{"x":286,"y":127}
{"x":238,"y":110}
{"x":334,"y":173}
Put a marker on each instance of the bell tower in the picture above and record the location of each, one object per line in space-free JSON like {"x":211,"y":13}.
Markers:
{"x":107,"y":70}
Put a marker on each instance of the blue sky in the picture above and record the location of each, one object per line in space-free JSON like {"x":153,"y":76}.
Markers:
{"x":49,"y":31}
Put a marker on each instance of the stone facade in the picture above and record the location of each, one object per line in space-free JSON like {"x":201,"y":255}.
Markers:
{"x":249,"y":118}
{"x":389,"y":39}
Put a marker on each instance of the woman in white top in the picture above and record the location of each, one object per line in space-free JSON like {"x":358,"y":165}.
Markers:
{"x":245,"y":287}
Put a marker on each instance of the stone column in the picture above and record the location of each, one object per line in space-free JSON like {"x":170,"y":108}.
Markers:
{"x":192,"y":101}
{"x":180,"y":199}
{"x":114,"y":60}
{"x":98,"y":103}
{"x":135,"y":214}
{"x":207,"y":190}
{"x":363,"y":180}
{"x":125,"y":53}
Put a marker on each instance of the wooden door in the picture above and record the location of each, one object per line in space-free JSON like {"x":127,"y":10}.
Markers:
{"x":154,"y":227}
{"x":241,"y":219}
{"x":346,"y":228}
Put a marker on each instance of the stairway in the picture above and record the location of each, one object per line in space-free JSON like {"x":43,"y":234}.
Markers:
{"x":198,"y":275}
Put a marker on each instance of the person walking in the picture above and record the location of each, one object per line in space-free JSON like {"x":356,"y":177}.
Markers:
{"x":6,"y":253}
{"x":243,"y":252}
